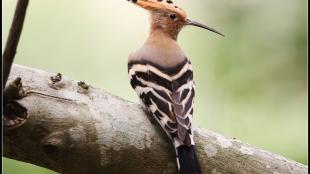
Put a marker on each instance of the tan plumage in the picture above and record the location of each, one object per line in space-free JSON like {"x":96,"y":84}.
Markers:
{"x":160,"y":49}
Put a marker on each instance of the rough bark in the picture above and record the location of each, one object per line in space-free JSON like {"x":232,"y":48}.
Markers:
{"x":92,"y":131}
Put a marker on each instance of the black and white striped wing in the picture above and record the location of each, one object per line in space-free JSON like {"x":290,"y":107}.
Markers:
{"x":168,"y":93}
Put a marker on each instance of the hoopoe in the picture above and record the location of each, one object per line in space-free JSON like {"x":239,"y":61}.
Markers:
{"x":162,"y":76}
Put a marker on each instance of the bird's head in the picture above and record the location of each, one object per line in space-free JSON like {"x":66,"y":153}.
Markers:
{"x":168,"y":17}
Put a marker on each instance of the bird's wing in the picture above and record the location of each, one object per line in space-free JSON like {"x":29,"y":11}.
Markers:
{"x":183,"y":101}
{"x":168,"y":93}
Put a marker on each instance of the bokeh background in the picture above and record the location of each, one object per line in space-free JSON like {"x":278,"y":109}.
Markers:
{"x":251,"y":85}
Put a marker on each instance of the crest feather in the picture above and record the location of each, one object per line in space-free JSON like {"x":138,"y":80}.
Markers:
{"x":162,"y":5}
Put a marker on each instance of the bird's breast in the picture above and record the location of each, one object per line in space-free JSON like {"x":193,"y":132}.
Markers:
{"x":166,"y":57}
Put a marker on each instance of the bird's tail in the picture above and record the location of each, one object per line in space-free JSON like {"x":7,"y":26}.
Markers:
{"x":187,"y":160}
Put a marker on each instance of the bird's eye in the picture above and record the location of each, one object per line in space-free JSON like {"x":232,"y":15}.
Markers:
{"x":173,"y":16}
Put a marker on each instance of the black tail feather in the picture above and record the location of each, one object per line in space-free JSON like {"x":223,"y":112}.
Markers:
{"x":188,"y":161}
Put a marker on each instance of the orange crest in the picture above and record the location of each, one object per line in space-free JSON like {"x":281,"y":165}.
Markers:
{"x":160,"y":5}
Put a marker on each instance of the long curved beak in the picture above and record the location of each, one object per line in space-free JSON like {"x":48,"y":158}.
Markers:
{"x":197,"y":24}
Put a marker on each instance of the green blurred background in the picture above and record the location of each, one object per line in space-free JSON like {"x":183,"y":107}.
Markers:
{"x":251,"y":85}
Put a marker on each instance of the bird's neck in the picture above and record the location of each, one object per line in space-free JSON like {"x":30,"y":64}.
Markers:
{"x":162,"y":49}
{"x":162,"y":40}
{"x":156,"y":30}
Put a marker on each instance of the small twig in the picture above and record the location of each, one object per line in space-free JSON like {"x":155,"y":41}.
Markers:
{"x":56,"y":78}
{"x":83,"y":85}
{"x":55,"y":81}
{"x":14,"y":35}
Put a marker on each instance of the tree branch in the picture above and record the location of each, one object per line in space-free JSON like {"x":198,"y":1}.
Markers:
{"x":14,"y":35}
{"x":95,"y":132}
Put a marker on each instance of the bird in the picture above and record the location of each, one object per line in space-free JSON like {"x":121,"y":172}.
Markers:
{"x":162,"y":76}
